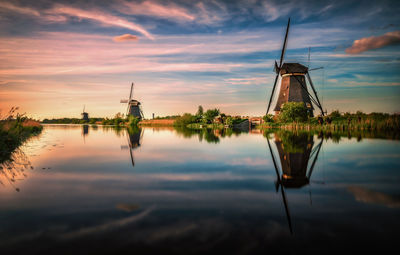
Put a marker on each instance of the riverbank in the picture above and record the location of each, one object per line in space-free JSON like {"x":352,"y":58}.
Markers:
{"x":14,"y":133}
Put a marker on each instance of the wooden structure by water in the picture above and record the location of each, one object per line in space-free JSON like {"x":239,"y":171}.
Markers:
{"x":293,"y":86}
{"x":133,"y":106}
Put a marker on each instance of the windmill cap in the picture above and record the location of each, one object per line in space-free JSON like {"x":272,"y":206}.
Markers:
{"x":293,"y":68}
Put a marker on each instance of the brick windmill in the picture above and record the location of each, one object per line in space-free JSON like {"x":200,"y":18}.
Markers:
{"x":134,"y":106}
{"x":293,"y":84}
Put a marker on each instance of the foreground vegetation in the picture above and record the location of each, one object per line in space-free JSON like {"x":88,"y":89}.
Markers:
{"x":211,"y":118}
{"x":117,"y":120}
{"x":295,"y":116}
{"x":15,"y":129}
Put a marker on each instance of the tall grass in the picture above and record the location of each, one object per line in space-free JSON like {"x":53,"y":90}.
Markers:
{"x":15,"y":128}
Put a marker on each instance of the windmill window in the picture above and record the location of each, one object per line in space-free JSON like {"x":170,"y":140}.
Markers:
{"x":308,"y":105}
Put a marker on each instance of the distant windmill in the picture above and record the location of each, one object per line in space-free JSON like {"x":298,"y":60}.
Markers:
{"x":293,"y":83}
{"x":133,"y":107}
{"x":85,"y":115}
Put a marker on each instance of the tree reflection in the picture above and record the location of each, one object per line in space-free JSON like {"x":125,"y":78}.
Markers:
{"x":209,"y":135}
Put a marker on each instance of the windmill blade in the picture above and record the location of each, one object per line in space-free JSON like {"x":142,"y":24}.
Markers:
{"x":315,"y":160}
{"x":123,"y":101}
{"x":284,"y":44}
{"x":276,"y":68}
{"x":315,"y":93}
{"x":273,"y":90}
{"x":317,"y":68}
{"x":279,"y":183}
{"x":285,"y":203}
{"x":130,"y":94}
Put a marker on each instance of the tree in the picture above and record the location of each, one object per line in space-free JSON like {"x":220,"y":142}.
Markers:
{"x":229,"y":121}
{"x":211,"y":114}
{"x":200,"y":111}
{"x":293,"y":111}
{"x":268,"y":118}
{"x":335,"y":114}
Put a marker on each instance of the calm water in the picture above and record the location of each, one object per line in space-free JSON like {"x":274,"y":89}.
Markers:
{"x":77,"y":189}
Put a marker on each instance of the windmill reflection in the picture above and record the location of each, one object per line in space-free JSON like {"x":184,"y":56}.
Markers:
{"x":297,"y":158}
{"x":134,"y":137}
{"x":85,"y":132}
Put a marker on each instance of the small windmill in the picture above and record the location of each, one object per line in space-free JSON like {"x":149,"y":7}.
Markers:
{"x":85,"y":115}
{"x":293,"y":83}
{"x":133,"y":107}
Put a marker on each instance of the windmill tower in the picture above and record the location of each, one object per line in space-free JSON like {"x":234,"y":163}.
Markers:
{"x":85,"y":115}
{"x":133,"y":107}
{"x":293,"y":84}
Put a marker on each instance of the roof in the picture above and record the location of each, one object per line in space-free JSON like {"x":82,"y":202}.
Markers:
{"x":293,"y":68}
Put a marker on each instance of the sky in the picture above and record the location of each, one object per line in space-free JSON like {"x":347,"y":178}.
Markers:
{"x":58,"y":56}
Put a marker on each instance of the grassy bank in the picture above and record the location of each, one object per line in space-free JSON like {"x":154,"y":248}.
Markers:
{"x":14,"y":132}
{"x":387,"y":123}
{"x":294,"y":116}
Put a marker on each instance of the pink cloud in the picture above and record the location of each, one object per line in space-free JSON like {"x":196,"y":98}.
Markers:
{"x":169,"y":11}
{"x":374,"y":42}
{"x":101,"y":17}
{"x":125,"y":37}
{"x":22,"y":10}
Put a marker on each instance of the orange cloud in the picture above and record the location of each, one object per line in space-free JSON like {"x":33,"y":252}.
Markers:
{"x":374,"y":42}
{"x":170,"y":11}
{"x":125,"y":37}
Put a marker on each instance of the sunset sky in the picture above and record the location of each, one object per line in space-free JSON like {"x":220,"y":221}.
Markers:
{"x":56,"y":56}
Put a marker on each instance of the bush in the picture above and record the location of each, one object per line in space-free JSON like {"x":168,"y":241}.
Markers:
{"x":293,"y":111}
{"x":209,"y":115}
{"x":335,"y":114}
{"x":133,"y":121}
{"x":185,"y":120}
{"x":268,"y":118}
{"x":229,"y":121}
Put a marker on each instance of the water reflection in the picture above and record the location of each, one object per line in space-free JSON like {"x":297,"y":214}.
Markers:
{"x":189,"y":193}
{"x":209,"y":135}
{"x":13,"y":168}
{"x":297,"y":158}
{"x":134,"y":136}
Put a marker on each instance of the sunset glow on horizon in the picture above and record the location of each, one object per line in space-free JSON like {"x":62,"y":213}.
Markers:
{"x":57,"y":56}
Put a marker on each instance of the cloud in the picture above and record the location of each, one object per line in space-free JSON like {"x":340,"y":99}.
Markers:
{"x":23,"y":10}
{"x":167,"y":11}
{"x":374,"y":42}
{"x":374,"y":197}
{"x":125,"y":37}
{"x":101,"y":17}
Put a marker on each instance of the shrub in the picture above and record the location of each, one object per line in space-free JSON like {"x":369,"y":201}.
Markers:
{"x":185,"y":120}
{"x":268,"y":118}
{"x":210,"y":114}
{"x":229,"y":121}
{"x":293,"y":111}
{"x":133,"y":121}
